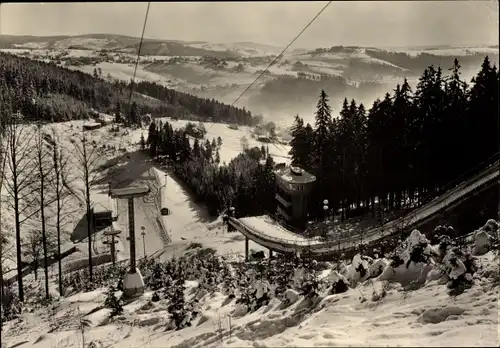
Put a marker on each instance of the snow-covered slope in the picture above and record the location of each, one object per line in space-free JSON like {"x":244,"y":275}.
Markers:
{"x":380,"y":304}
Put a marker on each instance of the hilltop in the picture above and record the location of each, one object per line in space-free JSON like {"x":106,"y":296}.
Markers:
{"x":109,"y":42}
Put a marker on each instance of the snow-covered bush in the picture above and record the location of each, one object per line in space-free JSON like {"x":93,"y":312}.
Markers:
{"x":491,"y":226}
{"x":310,"y":286}
{"x":177,"y":305}
{"x":155,"y":297}
{"x":359,"y":270}
{"x":103,"y":276}
{"x":411,"y":263}
{"x":339,"y":284}
{"x":11,"y":307}
{"x":240,"y":310}
{"x":291,"y":296}
{"x":112,"y":302}
{"x":377,"y":295}
{"x":459,"y":269}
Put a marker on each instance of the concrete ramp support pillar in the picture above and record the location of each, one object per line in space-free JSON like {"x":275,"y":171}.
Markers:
{"x":133,"y":284}
{"x":246,"y":249}
{"x":131,"y":228}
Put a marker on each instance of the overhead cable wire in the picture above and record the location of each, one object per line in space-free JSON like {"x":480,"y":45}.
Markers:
{"x":279,"y":57}
{"x":137,"y":63}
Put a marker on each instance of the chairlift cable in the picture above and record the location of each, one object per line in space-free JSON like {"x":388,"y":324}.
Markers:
{"x":136,"y":65}
{"x":277,"y":58}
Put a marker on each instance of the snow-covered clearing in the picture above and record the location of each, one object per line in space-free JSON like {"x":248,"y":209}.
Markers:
{"x":231,"y":140}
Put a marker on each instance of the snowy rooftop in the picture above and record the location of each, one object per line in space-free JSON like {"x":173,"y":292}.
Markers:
{"x":102,"y":203}
{"x":295,"y":175}
{"x":130,"y":191}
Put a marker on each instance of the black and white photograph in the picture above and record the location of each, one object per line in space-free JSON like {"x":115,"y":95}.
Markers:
{"x":249,"y":174}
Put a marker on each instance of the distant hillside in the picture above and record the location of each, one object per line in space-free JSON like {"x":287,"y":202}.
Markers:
{"x":44,"y":91}
{"x":243,"y":48}
{"x":224,"y":70}
{"x":110,"y":42}
{"x":408,"y":60}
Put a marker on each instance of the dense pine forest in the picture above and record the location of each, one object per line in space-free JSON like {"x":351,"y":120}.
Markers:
{"x":407,"y":147}
{"x":45,"y":91}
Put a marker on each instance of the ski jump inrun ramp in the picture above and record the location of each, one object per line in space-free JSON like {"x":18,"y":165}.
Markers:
{"x":265,"y":231}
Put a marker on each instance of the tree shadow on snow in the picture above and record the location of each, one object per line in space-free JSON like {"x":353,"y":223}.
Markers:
{"x":132,"y":168}
{"x":80,"y":232}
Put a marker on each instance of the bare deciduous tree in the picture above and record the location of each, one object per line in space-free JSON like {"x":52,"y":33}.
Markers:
{"x":33,"y":249}
{"x":60,"y":169}
{"x":20,"y":184}
{"x":87,"y":157}
{"x":43,"y":170}
{"x":3,"y":238}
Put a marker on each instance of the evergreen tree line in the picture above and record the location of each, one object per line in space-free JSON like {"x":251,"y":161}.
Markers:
{"x":406,"y":148}
{"x":45,"y":91}
{"x":246,"y":182}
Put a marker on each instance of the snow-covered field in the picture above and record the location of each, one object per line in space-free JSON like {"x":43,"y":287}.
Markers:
{"x":244,"y":48}
{"x":73,"y":209}
{"x":124,"y":72}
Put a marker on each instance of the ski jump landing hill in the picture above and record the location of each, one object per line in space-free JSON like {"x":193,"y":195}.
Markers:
{"x":267,"y":232}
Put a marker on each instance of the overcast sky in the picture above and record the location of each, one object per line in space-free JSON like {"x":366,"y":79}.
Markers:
{"x":367,"y":23}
